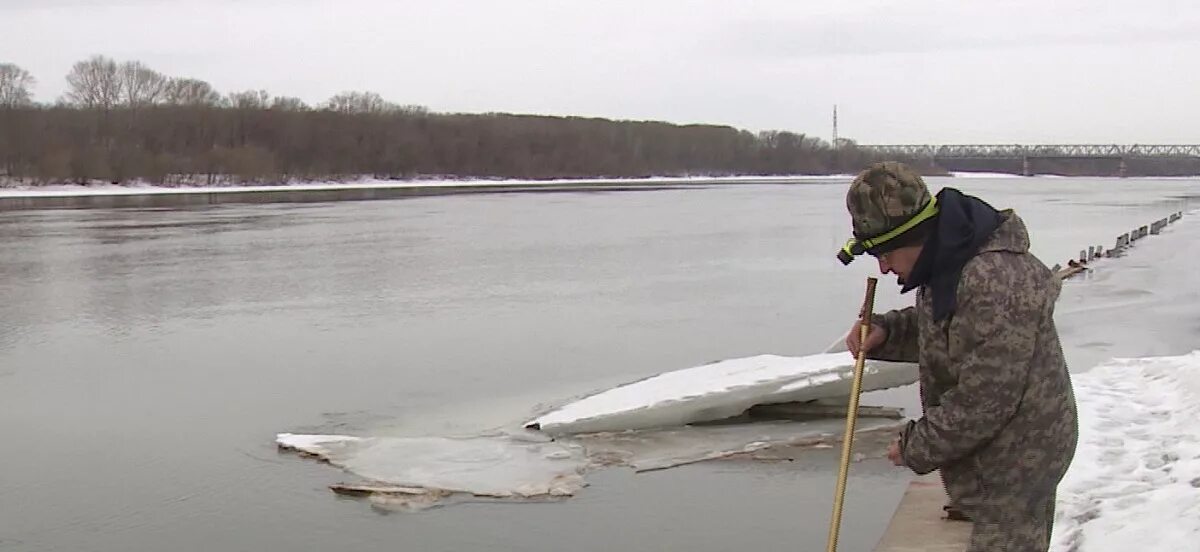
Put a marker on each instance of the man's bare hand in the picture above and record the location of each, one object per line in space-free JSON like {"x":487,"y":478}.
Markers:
{"x":874,"y":339}
{"x":894,"y":453}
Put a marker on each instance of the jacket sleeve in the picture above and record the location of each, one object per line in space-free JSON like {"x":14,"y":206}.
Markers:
{"x":901,"y":328}
{"x":992,"y":336}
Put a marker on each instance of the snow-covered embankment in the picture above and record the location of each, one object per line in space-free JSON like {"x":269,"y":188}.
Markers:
{"x":1135,"y":480}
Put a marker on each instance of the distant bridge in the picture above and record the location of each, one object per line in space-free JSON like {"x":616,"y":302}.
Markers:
{"x":1017,"y":151}
{"x":1025,"y":153}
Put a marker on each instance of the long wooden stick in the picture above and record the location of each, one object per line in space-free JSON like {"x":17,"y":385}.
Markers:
{"x":864,"y":330}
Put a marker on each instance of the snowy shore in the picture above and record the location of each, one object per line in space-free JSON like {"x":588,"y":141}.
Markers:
{"x":14,"y":189}
{"x":1135,"y":480}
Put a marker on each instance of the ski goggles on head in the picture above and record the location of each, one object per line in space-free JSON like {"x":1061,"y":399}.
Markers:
{"x":856,"y":247}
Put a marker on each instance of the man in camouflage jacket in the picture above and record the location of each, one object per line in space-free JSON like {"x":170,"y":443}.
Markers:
{"x":999,"y":413}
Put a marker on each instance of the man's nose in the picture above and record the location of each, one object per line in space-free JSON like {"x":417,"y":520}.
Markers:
{"x":884,"y":268}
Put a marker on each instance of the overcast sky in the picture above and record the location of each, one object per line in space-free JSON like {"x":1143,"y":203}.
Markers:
{"x":912,"y":71}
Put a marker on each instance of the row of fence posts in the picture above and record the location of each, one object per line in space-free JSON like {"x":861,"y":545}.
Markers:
{"x":1124,"y":241}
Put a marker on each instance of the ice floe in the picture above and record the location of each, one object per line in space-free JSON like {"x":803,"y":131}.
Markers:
{"x":644,"y":425}
{"x":415,"y":473}
{"x":421,"y":470}
{"x":719,"y":390}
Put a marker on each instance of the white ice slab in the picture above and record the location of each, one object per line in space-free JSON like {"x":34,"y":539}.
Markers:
{"x":719,"y":390}
{"x":1135,"y":481}
{"x":491,"y":466}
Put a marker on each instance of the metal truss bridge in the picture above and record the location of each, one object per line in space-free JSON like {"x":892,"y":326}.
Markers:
{"x":1050,"y":151}
{"x":1029,"y":155}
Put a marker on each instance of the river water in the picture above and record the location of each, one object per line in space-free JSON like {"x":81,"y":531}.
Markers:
{"x":148,"y":357}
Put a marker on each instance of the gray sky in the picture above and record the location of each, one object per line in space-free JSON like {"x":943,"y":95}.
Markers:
{"x":913,"y":71}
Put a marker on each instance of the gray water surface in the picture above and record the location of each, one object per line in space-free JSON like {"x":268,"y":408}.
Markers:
{"x":148,"y":357}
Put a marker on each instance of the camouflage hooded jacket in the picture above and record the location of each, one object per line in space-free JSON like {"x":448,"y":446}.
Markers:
{"x":999,"y":412}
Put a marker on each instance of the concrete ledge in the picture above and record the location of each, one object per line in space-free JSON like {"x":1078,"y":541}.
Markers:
{"x":919,"y":523}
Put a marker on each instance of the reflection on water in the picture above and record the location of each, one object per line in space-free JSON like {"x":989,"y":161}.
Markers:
{"x":149,"y":357}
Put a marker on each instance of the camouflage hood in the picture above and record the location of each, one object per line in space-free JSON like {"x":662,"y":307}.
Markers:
{"x":1010,"y":236}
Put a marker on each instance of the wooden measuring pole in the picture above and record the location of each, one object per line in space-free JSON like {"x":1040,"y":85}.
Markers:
{"x":864,"y":329}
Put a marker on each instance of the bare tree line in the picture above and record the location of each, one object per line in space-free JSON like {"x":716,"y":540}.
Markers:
{"x":123,"y":121}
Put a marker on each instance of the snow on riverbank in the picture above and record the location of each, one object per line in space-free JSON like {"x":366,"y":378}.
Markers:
{"x":12,"y":189}
{"x":1135,"y":480}
{"x":965,"y":174}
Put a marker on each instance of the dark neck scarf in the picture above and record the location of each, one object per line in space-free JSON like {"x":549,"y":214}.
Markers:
{"x":963,"y":224}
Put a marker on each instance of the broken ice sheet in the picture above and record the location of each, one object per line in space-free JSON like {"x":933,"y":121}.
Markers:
{"x":646,"y":425}
{"x":719,"y":390}
{"x":415,"y":473}
{"x":426,"y":469}
{"x":649,"y":450}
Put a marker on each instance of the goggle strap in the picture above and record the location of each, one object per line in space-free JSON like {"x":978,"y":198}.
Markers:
{"x":927,"y":212}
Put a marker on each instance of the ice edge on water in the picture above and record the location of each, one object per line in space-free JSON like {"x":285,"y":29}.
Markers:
{"x":642,"y":425}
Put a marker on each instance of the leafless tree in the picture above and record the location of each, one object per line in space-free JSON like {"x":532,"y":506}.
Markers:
{"x":140,"y":85}
{"x":95,"y":83}
{"x":360,"y":102}
{"x":286,"y":103}
{"x":190,"y":92}
{"x":15,"y":85}
{"x":250,"y":99}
